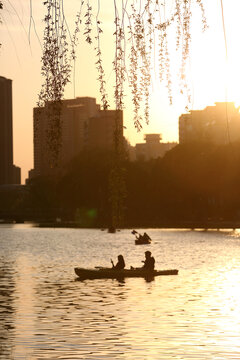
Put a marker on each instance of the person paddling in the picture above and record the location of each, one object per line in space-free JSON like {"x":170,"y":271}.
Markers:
{"x":149,"y":262}
{"x":120,"y":265}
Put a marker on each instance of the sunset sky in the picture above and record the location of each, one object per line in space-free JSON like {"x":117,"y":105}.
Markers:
{"x":209,"y":73}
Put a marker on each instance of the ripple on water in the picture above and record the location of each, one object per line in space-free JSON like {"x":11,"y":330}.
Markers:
{"x":46,"y":314}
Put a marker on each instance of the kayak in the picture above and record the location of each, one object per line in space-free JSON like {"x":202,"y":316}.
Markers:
{"x":109,"y":273}
{"x":142,"y":241}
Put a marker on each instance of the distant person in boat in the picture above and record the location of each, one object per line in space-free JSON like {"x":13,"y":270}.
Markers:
{"x":146,"y":237}
{"x":120,"y":265}
{"x":149,"y":262}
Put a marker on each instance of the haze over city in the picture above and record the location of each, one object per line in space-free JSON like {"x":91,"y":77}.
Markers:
{"x":213,"y":76}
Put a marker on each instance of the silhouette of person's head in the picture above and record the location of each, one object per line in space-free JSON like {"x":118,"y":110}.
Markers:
{"x":120,"y":258}
{"x":148,"y":254}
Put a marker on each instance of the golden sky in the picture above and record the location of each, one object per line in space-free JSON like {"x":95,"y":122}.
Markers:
{"x":208,"y":73}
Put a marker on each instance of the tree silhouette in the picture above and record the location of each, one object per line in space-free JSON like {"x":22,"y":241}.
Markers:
{"x":141,"y":29}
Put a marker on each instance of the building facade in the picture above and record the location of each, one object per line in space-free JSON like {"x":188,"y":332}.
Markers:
{"x":8,"y":172}
{"x":84,"y":126}
{"x":218,"y":124}
{"x":101,"y":129}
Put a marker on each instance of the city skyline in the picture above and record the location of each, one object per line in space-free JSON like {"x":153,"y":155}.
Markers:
{"x":20,"y":60}
{"x":216,"y":112}
{"x":84,"y":127}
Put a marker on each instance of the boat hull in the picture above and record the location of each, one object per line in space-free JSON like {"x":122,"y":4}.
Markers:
{"x":142,"y":242}
{"x":116,"y":274}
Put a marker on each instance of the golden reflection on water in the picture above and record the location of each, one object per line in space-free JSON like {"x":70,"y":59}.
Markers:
{"x":48,"y":315}
{"x":228,"y":301}
{"x":24,"y":304}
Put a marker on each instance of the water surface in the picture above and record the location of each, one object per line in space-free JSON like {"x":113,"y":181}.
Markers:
{"x":46,"y":314}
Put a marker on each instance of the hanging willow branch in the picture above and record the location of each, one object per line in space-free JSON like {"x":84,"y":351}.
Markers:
{"x":119,"y":61}
{"x":146,"y":27}
{"x":99,"y":63}
{"x":56,"y":70}
{"x":146,"y":24}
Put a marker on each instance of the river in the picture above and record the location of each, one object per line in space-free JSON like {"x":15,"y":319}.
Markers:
{"x":46,"y":314}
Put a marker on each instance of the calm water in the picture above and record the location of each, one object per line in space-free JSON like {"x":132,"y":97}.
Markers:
{"x":46,"y":314}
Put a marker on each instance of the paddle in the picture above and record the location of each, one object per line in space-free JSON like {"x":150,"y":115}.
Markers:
{"x":103,"y":267}
{"x":134,"y":232}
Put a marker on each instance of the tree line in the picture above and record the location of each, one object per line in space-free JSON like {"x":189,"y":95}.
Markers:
{"x":192,"y":182}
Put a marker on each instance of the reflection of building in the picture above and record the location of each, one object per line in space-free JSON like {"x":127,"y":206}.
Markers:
{"x":9,"y":174}
{"x":84,"y":126}
{"x":152,"y":148}
{"x":219,"y":124}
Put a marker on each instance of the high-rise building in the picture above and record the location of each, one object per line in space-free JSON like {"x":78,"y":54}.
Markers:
{"x":101,"y":129}
{"x":218,"y":124}
{"x":84,"y":126}
{"x":7,"y":169}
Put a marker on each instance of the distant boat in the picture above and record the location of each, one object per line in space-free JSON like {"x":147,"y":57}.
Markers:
{"x":109,"y":273}
{"x":141,"y":239}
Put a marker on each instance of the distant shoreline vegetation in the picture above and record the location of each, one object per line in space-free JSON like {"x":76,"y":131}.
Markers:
{"x":192,"y":183}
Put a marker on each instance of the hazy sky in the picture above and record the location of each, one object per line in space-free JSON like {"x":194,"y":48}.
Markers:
{"x":20,"y":61}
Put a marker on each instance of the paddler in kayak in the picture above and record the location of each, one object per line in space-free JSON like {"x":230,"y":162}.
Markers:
{"x":149,"y":262}
{"x":120,"y":265}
